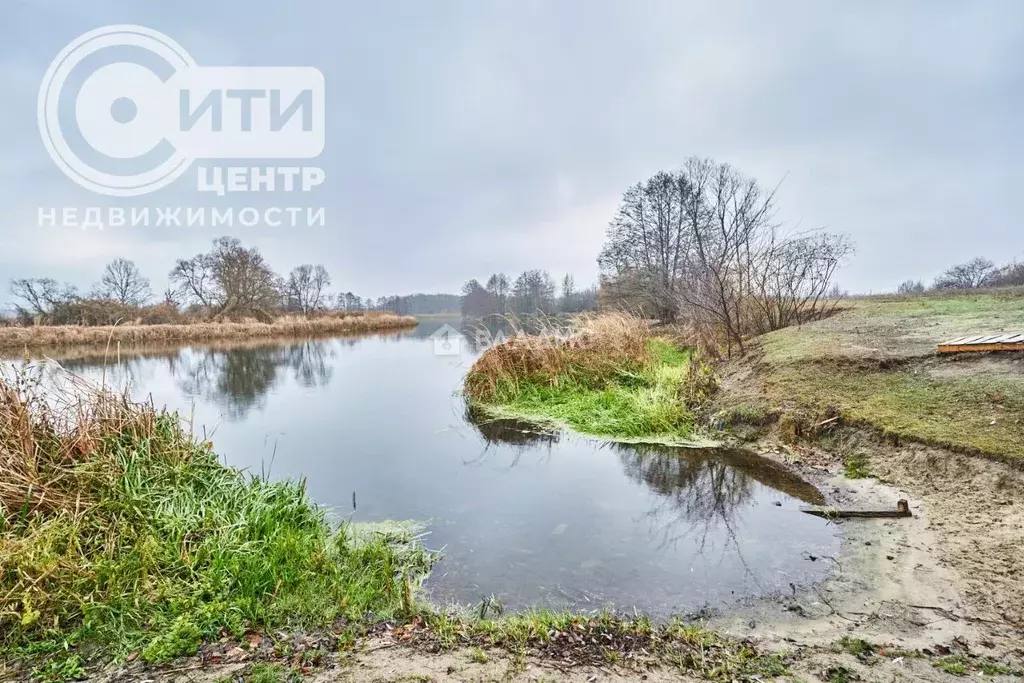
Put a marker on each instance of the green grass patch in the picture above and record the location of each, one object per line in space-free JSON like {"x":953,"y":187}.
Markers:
{"x":645,"y":401}
{"x":858,"y":647}
{"x":975,"y":413}
{"x":840,"y":674}
{"x":122,"y":535}
{"x":875,"y":364}
{"x":901,"y":327}
{"x":856,"y":467}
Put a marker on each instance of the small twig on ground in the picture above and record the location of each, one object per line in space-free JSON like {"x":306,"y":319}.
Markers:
{"x":952,"y":616}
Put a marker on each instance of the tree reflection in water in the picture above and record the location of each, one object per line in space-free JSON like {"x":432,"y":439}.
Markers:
{"x":239,"y":379}
{"x":698,"y":491}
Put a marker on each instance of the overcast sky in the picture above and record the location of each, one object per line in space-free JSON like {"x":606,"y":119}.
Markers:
{"x":470,"y":137}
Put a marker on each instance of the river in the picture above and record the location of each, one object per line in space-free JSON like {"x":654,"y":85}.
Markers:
{"x":376,"y":428}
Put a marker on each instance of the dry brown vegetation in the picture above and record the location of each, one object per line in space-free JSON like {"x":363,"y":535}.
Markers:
{"x":14,"y":338}
{"x":597,"y":348}
{"x":43,"y":442}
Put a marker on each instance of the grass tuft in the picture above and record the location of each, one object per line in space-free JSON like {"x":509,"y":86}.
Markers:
{"x":121,"y":534}
{"x":856,"y":466}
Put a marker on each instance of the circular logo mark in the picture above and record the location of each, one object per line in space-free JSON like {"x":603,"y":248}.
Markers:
{"x":104,"y":110}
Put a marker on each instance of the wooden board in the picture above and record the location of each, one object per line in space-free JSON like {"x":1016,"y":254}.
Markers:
{"x":902,"y":510}
{"x":1012,"y":341}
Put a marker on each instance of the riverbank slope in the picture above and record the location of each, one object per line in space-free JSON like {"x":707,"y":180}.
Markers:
{"x":864,"y":396}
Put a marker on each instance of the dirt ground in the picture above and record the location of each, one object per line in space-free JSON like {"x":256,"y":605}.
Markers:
{"x":411,"y":666}
{"x":956,"y":569}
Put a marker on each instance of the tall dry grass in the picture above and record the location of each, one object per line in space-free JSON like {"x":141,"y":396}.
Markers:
{"x":12,"y":338}
{"x":45,"y":438}
{"x":597,"y":348}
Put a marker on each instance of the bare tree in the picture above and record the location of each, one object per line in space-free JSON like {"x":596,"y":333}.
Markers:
{"x":970,"y":275}
{"x":349,"y":302}
{"x":476,"y":301}
{"x":910,"y":287}
{"x":1010,"y":275}
{"x":498,"y":287}
{"x":702,"y":242}
{"x":534,"y":292}
{"x":171,"y":296}
{"x":568,"y":303}
{"x":229,"y":280}
{"x":643,"y":259}
{"x":40,"y":295}
{"x":306,"y":288}
{"x":122,"y":282}
{"x":731,"y":220}
{"x":791,"y":279}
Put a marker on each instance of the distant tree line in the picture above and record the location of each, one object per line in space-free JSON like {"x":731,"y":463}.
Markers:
{"x":228,"y":282}
{"x":977,"y":273}
{"x":530,"y":293}
{"x":701,"y":246}
{"x":418,"y":304}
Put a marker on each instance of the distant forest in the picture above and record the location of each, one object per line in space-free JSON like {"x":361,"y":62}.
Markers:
{"x":532,"y":292}
{"x":415,"y":304}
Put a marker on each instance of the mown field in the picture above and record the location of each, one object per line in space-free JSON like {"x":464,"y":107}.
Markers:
{"x":875,"y":364}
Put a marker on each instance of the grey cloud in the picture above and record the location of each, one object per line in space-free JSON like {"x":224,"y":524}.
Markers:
{"x":465,"y":137}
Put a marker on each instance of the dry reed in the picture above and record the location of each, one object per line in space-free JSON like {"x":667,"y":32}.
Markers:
{"x":45,"y":438}
{"x":597,"y":348}
{"x":12,"y":338}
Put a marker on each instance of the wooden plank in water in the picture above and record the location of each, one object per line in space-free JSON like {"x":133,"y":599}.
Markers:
{"x":902,"y":510}
{"x":1012,"y":341}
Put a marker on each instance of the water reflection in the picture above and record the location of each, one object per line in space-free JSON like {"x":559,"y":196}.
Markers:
{"x":240,"y":380}
{"x":697,"y":490}
{"x":236,"y":377}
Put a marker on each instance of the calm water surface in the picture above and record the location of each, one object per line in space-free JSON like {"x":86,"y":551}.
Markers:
{"x":534,"y":519}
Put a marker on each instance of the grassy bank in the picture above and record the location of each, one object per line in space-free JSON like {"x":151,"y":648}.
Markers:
{"x":122,"y":537}
{"x":17,"y":338}
{"x":875,"y":364}
{"x":608,"y":377}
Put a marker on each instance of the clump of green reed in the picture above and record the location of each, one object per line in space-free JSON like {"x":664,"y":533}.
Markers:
{"x":119,"y":534}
